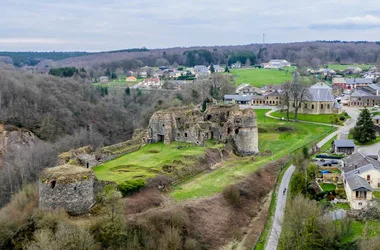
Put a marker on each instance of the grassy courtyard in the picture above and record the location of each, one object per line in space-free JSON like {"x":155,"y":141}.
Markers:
{"x":327,"y":187}
{"x":149,"y":161}
{"x":262,"y":77}
{"x":279,"y":143}
{"x":322,"y":118}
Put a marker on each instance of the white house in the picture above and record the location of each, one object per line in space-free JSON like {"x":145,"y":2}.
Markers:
{"x":358,"y":192}
{"x":276,"y":64}
{"x":103,"y":79}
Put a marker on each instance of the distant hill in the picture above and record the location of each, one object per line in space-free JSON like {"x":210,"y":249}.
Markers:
{"x":20,"y":59}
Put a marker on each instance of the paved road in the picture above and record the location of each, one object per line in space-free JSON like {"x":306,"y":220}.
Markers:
{"x":278,"y":219}
{"x":280,"y":210}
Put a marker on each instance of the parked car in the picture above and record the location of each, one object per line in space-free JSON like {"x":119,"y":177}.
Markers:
{"x":334,"y":162}
{"x":328,"y":163}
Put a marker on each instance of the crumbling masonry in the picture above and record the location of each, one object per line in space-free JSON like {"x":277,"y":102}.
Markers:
{"x":222,"y":123}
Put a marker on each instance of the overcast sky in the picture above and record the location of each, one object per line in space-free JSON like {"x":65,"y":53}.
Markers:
{"x":97,"y":25}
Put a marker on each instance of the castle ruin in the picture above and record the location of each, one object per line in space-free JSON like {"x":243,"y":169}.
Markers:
{"x":72,"y":188}
{"x":222,"y":123}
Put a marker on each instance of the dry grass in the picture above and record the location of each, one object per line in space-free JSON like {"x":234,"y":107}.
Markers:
{"x":66,"y":174}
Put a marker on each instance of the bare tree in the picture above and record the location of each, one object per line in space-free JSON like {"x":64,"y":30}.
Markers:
{"x":285,"y":98}
{"x":299,"y":92}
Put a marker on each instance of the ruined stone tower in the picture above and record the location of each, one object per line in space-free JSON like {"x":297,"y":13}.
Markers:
{"x":223,"y":123}
{"x":69,"y":187}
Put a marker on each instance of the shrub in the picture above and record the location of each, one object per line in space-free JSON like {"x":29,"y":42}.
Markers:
{"x":342,"y":118}
{"x":232,"y":195}
{"x":131,"y":186}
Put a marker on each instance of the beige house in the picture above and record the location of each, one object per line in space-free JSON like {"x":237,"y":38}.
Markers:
{"x":376,"y":120}
{"x":272,"y":99}
{"x":358,"y":191}
{"x":361,"y":176}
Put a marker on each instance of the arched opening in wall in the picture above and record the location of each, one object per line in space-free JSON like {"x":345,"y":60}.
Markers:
{"x":236,"y":131}
{"x":163,"y":125}
{"x":52,"y":184}
{"x":229,"y":131}
{"x":220,"y":137}
{"x":212,"y":135}
{"x":209,"y":117}
{"x":185,"y":135}
{"x":87,"y":165}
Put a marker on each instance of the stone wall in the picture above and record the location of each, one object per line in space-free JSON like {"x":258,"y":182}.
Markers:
{"x":69,"y":187}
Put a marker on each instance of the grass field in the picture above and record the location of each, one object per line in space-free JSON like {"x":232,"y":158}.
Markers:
{"x":280,"y":143}
{"x":262,"y":77}
{"x":326,"y":148}
{"x":328,"y":186}
{"x":322,"y":118}
{"x":148,"y":161}
{"x":360,"y":230}
{"x":342,"y":67}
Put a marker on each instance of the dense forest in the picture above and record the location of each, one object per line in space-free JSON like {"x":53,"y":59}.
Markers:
{"x":305,"y":54}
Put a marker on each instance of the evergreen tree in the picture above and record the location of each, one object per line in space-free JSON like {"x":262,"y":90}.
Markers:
{"x":212,"y":70}
{"x":364,"y":130}
{"x":128,"y":91}
{"x":227,"y":69}
{"x":108,"y":73}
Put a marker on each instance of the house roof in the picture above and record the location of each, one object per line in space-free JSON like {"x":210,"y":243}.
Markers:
{"x":344,"y":143}
{"x":320,"y":85}
{"x":358,"y":81}
{"x":359,"y":92}
{"x":357,"y":183}
{"x":358,"y":160}
{"x":273,"y":93}
{"x":338,"y":80}
{"x":239,"y":98}
{"x":377,"y":117}
{"x":374,"y":86}
{"x":320,"y":95}
{"x":336,"y":105}
{"x":361,"y":170}
{"x":217,"y":67}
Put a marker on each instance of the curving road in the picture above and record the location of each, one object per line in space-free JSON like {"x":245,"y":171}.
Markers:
{"x":278,"y":219}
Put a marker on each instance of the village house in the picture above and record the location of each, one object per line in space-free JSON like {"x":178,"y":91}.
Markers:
{"x":236,"y":65}
{"x":201,"y":70}
{"x":276,"y":64}
{"x":217,"y":68}
{"x":103,"y":79}
{"x":358,"y":192}
{"x":238,"y":99}
{"x":247,"y":89}
{"x":273,"y":98}
{"x":151,"y":83}
{"x":353,"y":70}
{"x":343,"y":146}
{"x":361,"y":176}
{"x":367,"y":96}
{"x":143,"y":74}
{"x":131,"y":79}
{"x":376,"y":120}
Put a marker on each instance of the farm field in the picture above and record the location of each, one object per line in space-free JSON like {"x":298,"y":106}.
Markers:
{"x":262,"y":77}
{"x":341,"y":67}
{"x":148,"y":161}
{"x":279,"y":143}
{"x":322,"y":118}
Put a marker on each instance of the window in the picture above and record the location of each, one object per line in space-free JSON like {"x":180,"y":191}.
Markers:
{"x":368,"y":177}
{"x":328,"y":106}
{"x":360,"y":204}
{"x":185,"y":135}
{"x":305,"y":105}
{"x":321,"y":106}
{"x":312,"y":106}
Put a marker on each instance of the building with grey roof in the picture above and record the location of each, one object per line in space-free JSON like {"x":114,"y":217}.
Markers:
{"x":238,"y":99}
{"x":367,"y":96}
{"x":319,"y":100}
{"x":343,"y":146}
{"x":358,"y":191}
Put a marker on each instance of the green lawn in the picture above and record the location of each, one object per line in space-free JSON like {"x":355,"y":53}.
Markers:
{"x":118,"y":83}
{"x":376,"y":194}
{"x":280,"y":143}
{"x":344,"y":206}
{"x":327,"y":186}
{"x":262,"y":77}
{"x":326,"y":148}
{"x":342,"y":67}
{"x":148,"y":161}
{"x":322,"y":118}
{"x":360,"y":230}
